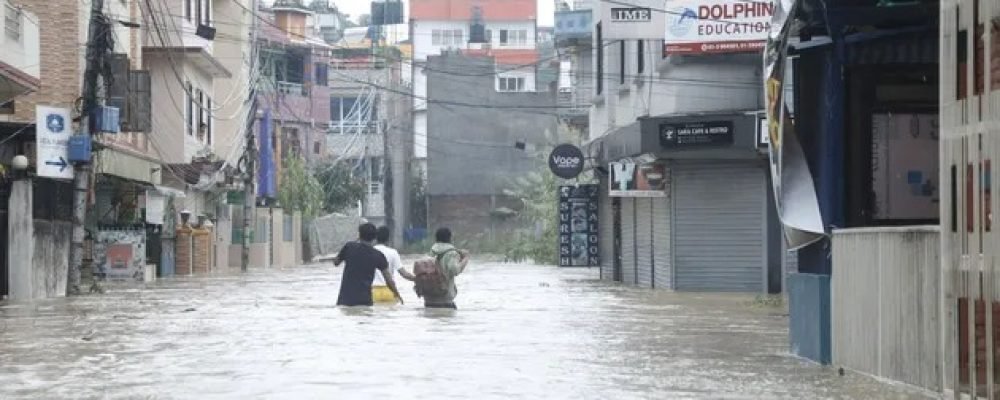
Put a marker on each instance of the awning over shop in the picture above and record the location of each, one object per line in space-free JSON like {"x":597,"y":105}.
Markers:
{"x":125,"y":165}
{"x":724,"y":135}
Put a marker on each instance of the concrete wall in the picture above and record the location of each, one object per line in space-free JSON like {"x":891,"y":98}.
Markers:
{"x":884,"y":303}
{"x":472,"y":148}
{"x":469,"y":216}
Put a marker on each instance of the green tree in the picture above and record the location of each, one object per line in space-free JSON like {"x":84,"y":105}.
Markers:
{"x":300,"y":190}
{"x":341,"y":188}
{"x":538,"y":195}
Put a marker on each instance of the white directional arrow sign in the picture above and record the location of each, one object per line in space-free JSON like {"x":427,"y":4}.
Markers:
{"x":52,"y":131}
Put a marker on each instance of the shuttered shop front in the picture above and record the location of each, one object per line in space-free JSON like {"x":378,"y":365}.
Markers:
{"x":628,"y":241}
{"x":607,"y":233}
{"x":719,"y":226}
{"x":644,"y":241}
{"x":661,"y":243}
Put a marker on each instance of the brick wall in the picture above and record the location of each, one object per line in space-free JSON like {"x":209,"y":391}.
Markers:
{"x":60,"y":55}
{"x":469,"y":216}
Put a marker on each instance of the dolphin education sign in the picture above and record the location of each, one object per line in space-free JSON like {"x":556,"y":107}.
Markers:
{"x":717,"y":26}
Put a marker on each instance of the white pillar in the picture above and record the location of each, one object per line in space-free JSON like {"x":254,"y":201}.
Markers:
{"x":20,"y":240}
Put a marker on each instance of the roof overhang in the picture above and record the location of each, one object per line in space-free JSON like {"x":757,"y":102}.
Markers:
{"x":14,"y":82}
{"x":197,"y":56}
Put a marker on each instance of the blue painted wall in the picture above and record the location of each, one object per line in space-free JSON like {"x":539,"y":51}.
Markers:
{"x":809,"y":316}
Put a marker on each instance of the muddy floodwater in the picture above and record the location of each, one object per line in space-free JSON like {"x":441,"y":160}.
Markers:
{"x":522,"y":332}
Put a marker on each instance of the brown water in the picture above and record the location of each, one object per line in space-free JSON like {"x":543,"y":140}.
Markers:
{"x":521,"y":332}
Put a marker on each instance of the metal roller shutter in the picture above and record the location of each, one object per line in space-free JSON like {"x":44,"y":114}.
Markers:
{"x":644,"y":240}
{"x":719,"y":226}
{"x":607,"y":234}
{"x":662,"y":259}
{"x":628,"y":241}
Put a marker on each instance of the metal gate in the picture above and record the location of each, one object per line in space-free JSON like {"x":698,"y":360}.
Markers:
{"x":719,"y":226}
{"x":628,"y":245}
{"x":662,"y":246}
{"x":616,"y":206}
{"x":644,"y":242}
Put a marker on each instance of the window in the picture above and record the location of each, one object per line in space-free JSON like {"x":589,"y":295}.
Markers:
{"x":640,"y":59}
{"x":340,"y":108}
{"x":201,"y":125}
{"x":12,"y":22}
{"x":322,"y":74}
{"x":489,"y":36}
{"x":510,"y":84}
{"x":600,"y":59}
{"x":447,"y":37}
{"x":621,"y":62}
{"x":187,"y":10}
{"x":189,"y":109}
{"x":504,"y":37}
{"x":316,"y":147}
{"x":522,"y":37}
{"x":210,"y":124}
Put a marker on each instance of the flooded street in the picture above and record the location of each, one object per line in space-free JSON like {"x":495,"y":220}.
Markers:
{"x":520,"y":332}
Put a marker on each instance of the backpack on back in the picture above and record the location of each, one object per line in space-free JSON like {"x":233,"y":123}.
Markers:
{"x":429,"y":276}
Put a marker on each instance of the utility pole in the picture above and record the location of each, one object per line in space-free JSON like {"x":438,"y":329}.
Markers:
{"x":249,"y":155}
{"x":249,"y":200}
{"x":97,"y":50}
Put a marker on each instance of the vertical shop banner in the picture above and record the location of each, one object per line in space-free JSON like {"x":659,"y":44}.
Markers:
{"x":266,"y":183}
{"x":794,"y":191}
{"x":578,"y":219}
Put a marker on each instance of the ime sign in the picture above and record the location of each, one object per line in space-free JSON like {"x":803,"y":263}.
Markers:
{"x":637,"y":14}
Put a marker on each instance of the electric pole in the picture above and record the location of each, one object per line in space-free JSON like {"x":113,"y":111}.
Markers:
{"x":249,"y":156}
{"x":97,"y":49}
{"x":249,"y":153}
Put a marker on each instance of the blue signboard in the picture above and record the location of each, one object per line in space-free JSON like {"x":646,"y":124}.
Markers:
{"x":573,"y":24}
{"x":266,"y":183}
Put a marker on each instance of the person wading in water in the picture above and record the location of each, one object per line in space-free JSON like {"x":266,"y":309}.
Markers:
{"x":362,"y":260}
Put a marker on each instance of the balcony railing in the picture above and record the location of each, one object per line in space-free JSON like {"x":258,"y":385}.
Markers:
{"x":571,"y":103}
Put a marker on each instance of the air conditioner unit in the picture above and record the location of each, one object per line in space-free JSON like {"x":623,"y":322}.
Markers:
{"x":206,"y":32}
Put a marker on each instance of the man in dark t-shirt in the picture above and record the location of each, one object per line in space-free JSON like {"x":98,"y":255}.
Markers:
{"x":362,"y":260}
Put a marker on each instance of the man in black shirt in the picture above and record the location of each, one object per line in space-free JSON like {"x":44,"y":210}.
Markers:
{"x":362,"y":260}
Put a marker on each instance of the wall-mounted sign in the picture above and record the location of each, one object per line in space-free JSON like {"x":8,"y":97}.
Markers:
{"x":693,"y":134}
{"x":632,"y":19}
{"x":52,"y":134}
{"x":716,"y":26}
{"x":578,"y":219}
{"x":631,"y":14}
{"x":629,"y":179}
{"x":762,"y":138}
{"x":566,"y":161}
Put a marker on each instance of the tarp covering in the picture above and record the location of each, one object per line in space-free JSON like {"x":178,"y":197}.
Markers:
{"x":794,"y":191}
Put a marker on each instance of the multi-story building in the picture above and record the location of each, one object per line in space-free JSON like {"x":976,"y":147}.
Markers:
{"x":502,"y":29}
{"x":573,"y":38}
{"x":675,"y":130}
{"x":126,"y":169}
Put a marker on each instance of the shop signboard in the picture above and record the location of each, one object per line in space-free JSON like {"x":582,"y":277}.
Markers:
{"x":696,"y":134}
{"x":716,"y":26}
{"x":566,"y":161}
{"x":629,"y":179}
{"x":632,"y":19}
{"x":578,"y":219}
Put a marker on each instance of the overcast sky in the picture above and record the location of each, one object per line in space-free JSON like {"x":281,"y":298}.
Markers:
{"x":358,"y":7}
